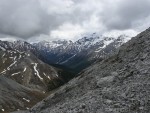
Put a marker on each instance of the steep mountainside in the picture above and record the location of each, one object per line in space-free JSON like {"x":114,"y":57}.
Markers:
{"x":14,"y":96}
{"x":26,"y":69}
{"x":24,"y":79}
{"x":118,"y":84}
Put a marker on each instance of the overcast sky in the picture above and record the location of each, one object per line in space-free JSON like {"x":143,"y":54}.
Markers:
{"x":51,"y":19}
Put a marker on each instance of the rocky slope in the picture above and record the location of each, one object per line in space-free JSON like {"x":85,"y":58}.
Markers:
{"x":26,"y":69}
{"x":14,"y":96}
{"x":118,"y":84}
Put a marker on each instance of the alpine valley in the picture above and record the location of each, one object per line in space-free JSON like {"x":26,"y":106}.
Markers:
{"x":117,"y":84}
{"x":74,"y":56}
{"x":30,"y":72}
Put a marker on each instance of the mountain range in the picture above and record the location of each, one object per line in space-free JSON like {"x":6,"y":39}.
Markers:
{"x":29,"y":72}
{"x":23,"y":76}
{"x":117,"y":84}
{"x":79,"y":54}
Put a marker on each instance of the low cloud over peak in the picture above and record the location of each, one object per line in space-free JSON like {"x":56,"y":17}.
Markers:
{"x":68,"y":18}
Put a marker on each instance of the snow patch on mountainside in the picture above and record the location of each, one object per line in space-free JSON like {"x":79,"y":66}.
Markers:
{"x":36,"y":71}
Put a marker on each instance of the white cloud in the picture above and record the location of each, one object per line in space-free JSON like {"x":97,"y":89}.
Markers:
{"x":116,"y":33}
{"x":67,"y":31}
{"x":49,"y":19}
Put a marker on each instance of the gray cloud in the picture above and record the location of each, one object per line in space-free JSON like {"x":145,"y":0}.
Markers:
{"x":22,"y":18}
{"x":27,"y":18}
{"x":126,"y":13}
{"x":30,"y":18}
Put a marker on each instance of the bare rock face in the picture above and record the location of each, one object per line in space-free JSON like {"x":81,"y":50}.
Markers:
{"x":118,"y":84}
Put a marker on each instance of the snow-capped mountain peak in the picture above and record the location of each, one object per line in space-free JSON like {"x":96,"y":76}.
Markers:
{"x":52,"y":44}
{"x":88,"y":41}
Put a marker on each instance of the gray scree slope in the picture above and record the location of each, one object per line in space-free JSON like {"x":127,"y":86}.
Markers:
{"x":119,"y":84}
